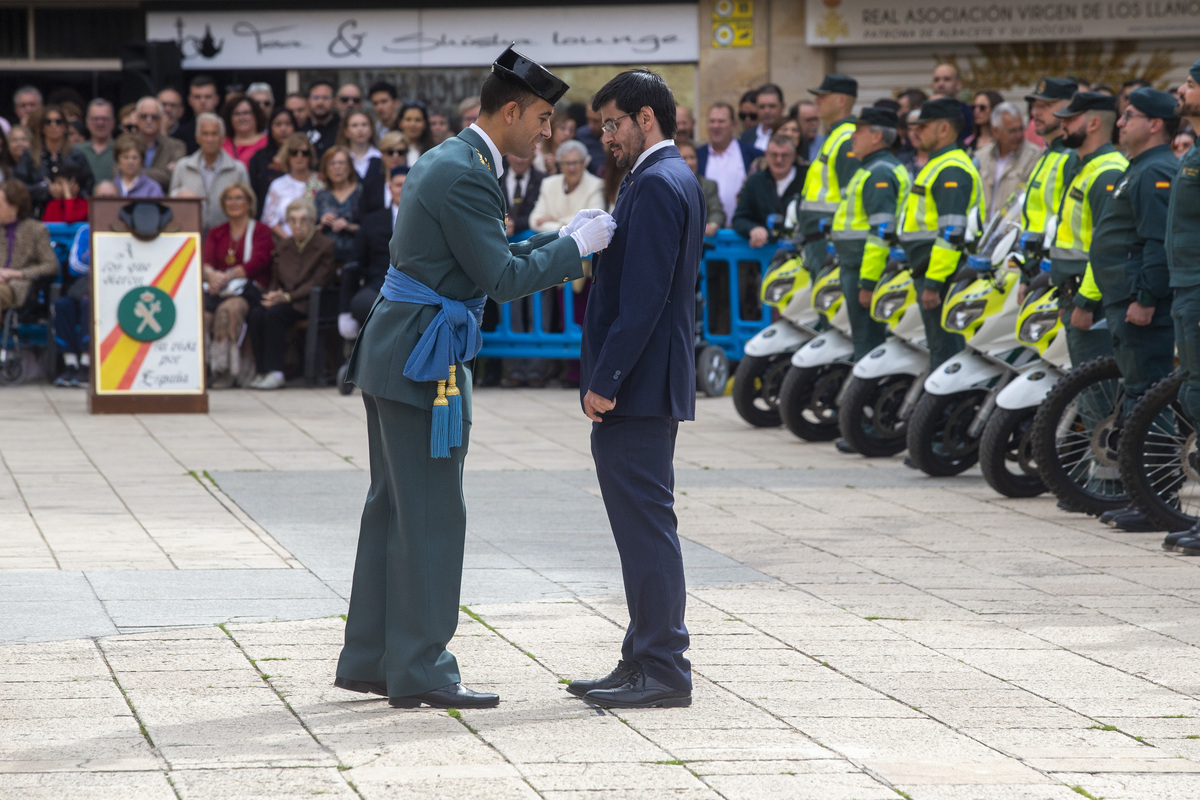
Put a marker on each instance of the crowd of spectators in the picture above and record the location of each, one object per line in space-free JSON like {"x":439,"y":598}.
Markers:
{"x":334,"y":160}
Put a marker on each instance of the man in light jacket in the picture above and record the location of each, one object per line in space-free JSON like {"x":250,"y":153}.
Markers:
{"x":1006,"y":163}
{"x":209,"y":170}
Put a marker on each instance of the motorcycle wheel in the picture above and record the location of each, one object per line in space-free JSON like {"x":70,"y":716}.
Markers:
{"x":868,"y":416}
{"x":807,"y":400}
{"x":712,"y":371}
{"x":1159,"y":460}
{"x":1076,"y":434}
{"x":1006,"y":453}
{"x":938,"y":443}
{"x":756,"y":385}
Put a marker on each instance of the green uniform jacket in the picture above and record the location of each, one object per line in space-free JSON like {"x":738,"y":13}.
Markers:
{"x":450,"y":236}
{"x":1183,"y":222}
{"x":1128,"y":256}
{"x":951,"y":193}
{"x":875,"y":195}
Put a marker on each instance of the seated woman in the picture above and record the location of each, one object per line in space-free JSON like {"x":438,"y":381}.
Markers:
{"x":25,"y":250}
{"x":566,"y":194}
{"x":244,"y":120}
{"x":129,"y":152}
{"x":302,"y":260}
{"x":394,"y":153}
{"x":300,"y":181}
{"x":337,"y":204}
{"x":237,"y":268}
{"x":49,"y":151}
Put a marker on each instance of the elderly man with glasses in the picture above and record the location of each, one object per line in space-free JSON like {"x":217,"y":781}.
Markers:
{"x":162,"y":151}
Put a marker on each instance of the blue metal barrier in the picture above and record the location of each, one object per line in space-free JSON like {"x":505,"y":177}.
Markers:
{"x":730,"y":275}
{"x":62,"y":236}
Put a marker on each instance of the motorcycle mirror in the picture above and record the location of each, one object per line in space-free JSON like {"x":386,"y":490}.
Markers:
{"x":1003,"y":247}
{"x":1051,"y":232}
{"x":974,"y":224}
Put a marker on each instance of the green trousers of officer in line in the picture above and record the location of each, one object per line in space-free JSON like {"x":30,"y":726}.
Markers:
{"x":1185,"y":312}
{"x":1145,"y":353}
{"x":420,"y":567}
{"x":1083,"y":345}
{"x":866,"y":332}
{"x":943,"y":345}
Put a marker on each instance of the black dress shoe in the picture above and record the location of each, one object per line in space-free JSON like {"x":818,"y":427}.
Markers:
{"x":641,"y":691}
{"x":618,"y":677}
{"x":362,"y":687}
{"x":1063,"y":505}
{"x":1189,"y":546}
{"x":1110,"y":517}
{"x":453,"y":696}
{"x":844,"y":447}
{"x":1134,"y":521}
{"x":1173,"y":538}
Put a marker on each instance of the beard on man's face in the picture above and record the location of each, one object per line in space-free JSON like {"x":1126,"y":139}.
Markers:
{"x":1187,"y":109}
{"x":1074,"y":140}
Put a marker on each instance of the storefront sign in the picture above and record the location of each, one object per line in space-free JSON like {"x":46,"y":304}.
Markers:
{"x":892,"y":22}
{"x":147,"y":298}
{"x":461,"y":37}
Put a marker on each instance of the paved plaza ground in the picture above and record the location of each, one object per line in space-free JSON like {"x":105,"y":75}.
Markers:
{"x":170,"y":592}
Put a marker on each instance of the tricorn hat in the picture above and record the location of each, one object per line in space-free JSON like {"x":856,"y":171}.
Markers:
{"x":513,"y":66}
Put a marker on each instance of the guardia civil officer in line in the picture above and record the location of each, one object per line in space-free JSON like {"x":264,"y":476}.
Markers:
{"x":448,"y":251}
{"x":1054,"y":170}
{"x":933,"y":232}
{"x":1127,"y":274}
{"x":1183,"y":261}
{"x":865,"y":223}
{"x":835,"y":165}
{"x":1088,"y":127}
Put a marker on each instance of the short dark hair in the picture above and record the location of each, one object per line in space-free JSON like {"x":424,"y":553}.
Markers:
{"x":749,"y":96}
{"x":726,"y":106}
{"x":1136,"y":82}
{"x":235,"y":100}
{"x":770,"y":88}
{"x":201,"y":81}
{"x":782,"y":140}
{"x":320,"y":82}
{"x":383,"y":86}
{"x":916,"y":98}
{"x":1171,"y":127}
{"x":498,"y":92}
{"x":17,"y":195}
{"x":635,"y":89}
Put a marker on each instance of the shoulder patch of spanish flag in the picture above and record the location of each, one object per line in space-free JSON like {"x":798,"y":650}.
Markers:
{"x":1162,"y":184}
{"x":1108,"y":187}
{"x":951,"y":184}
{"x":881,"y":185}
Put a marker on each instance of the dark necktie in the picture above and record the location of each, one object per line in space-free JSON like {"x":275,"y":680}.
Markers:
{"x":516,"y":201}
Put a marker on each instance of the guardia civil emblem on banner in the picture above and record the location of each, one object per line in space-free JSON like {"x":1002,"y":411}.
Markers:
{"x":146,"y":313}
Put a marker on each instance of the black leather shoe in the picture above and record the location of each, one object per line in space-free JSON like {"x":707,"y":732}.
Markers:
{"x":453,"y":696}
{"x":618,"y":677}
{"x":1134,"y":522}
{"x":1189,"y":546}
{"x":1173,"y":538}
{"x":641,"y":691}
{"x":844,"y":447}
{"x":1110,"y":517}
{"x":362,"y":687}
{"x":1063,"y":505}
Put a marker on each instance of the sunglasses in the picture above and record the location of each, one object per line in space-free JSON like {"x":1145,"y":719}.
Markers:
{"x":396,"y":152}
{"x":747,"y":117}
{"x":129,"y":128}
{"x":981,"y":107}
{"x":349,"y":99}
{"x":54,"y":121}
{"x":305,"y":153}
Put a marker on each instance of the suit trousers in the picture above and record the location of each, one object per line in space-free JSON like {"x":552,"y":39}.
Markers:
{"x":1145,"y":353}
{"x":269,"y":328}
{"x":404,"y":602}
{"x":634,"y":463}
{"x":866,"y":332}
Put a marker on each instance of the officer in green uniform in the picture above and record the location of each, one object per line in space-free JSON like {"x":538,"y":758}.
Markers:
{"x":943,"y":196}
{"x":1088,"y":127}
{"x":1183,"y":262}
{"x":833,"y":169}
{"x":1127,"y":273}
{"x":866,"y":220}
{"x":448,"y":251}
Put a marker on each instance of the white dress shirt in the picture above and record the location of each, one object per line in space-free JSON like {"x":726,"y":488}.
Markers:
{"x":728,"y":170}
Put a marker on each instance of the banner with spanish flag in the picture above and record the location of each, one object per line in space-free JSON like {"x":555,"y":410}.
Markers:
{"x":147,"y":299}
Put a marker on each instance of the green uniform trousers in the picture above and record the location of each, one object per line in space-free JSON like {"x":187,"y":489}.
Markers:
{"x":404,"y":602}
{"x":867,"y":333}
{"x":1145,"y":353}
{"x":1085,"y":345}
{"x":814,"y":255}
{"x":942,"y":344}
{"x":1185,"y":312}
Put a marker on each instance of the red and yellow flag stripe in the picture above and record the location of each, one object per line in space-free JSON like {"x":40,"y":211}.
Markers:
{"x":121,"y":355}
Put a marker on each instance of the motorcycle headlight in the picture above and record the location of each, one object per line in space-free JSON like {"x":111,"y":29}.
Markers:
{"x":1037,"y":325}
{"x":777,"y":289}
{"x":964,"y":314}
{"x":826,"y":296}
{"x":889,"y":304}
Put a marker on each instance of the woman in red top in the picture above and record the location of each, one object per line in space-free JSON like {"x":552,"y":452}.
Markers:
{"x":237,"y":266}
{"x":244,"y":122}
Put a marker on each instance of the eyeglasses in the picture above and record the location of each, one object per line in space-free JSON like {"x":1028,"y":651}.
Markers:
{"x":747,"y":117}
{"x":610,"y":127}
{"x":1131,"y":114}
{"x":129,"y":128}
{"x":571,"y":163}
{"x":349,"y":99}
{"x":54,"y":121}
{"x":305,"y":153}
{"x":981,"y":107}
{"x":148,"y":116}
{"x":397,"y":152}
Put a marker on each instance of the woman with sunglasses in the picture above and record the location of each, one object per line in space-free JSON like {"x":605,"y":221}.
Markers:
{"x":981,"y":121}
{"x":414,"y":123}
{"x":263,"y":168}
{"x":357,"y":135}
{"x":393,"y":153}
{"x":300,"y":181}
{"x":244,"y":121}
{"x":48,"y":153}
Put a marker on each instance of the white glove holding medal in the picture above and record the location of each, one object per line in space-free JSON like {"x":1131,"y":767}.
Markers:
{"x":347,"y":325}
{"x":580,"y":220}
{"x":595,"y":234}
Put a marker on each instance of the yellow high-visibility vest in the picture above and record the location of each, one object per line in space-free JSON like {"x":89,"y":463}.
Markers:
{"x":922,"y":219}
{"x":1044,"y":190}
{"x":1073,"y":238}
{"x":822,"y":190}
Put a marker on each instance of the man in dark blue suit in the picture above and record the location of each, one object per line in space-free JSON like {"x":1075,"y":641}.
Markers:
{"x":638,"y":380}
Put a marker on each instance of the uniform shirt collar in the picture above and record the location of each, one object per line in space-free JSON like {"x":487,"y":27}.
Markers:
{"x":492,"y":147}
{"x":1149,"y":153}
{"x":1103,"y":149}
{"x":645,"y":153}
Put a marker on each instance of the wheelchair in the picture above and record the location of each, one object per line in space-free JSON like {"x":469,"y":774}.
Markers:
{"x":29,"y":327}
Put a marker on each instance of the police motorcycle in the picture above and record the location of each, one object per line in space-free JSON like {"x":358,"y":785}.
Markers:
{"x":787,"y":288}
{"x":808,"y":397}
{"x":885,"y":383}
{"x":949,"y":418}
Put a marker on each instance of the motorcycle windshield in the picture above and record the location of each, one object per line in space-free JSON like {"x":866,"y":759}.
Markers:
{"x":1003,"y":230}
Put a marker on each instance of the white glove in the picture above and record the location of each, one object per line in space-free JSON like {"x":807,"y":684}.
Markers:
{"x":595,"y":234}
{"x":580,"y":220}
{"x":347,"y":325}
